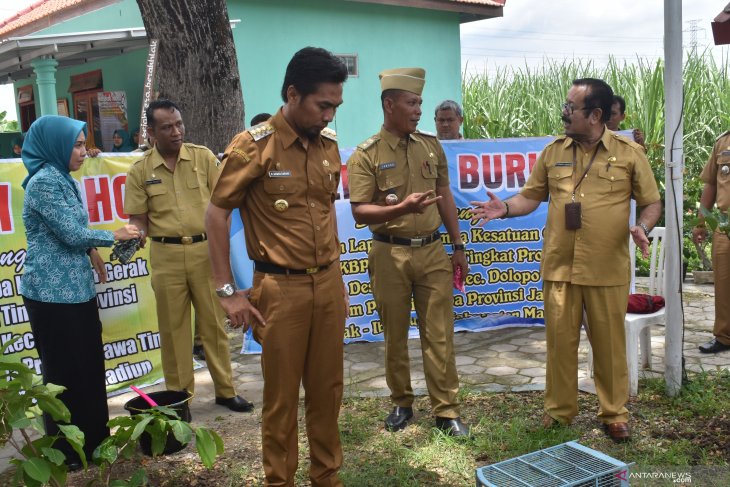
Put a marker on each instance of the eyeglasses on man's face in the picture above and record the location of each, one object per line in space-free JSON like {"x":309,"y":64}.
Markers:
{"x":569,"y":108}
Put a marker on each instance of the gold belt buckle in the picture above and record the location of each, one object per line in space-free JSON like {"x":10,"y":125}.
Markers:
{"x":417,"y":242}
{"x":186,"y":240}
{"x":312,"y":270}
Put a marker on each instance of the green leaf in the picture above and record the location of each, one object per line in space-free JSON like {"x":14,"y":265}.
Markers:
{"x":107,"y":452}
{"x":76,"y":439}
{"x":182,"y":431}
{"x":54,"y":456}
{"x":158,"y":432}
{"x":37,"y":469}
{"x":207,"y":443}
{"x":166,"y":411}
{"x":118,"y":483}
{"x":139,"y":478}
{"x":140,"y":427}
{"x":54,"y":407}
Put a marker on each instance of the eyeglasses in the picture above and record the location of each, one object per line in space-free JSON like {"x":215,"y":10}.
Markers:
{"x":569,"y":108}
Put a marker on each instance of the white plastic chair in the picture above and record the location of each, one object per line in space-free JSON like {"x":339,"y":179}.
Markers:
{"x":637,"y":326}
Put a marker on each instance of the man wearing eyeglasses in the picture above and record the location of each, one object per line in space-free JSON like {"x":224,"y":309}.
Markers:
{"x":588,"y":177}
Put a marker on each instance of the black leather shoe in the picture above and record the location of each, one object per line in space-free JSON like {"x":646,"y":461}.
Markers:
{"x":714,"y":346}
{"x":235,"y":403}
{"x":74,"y":466}
{"x":198,"y":352}
{"x":398,"y":419}
{"x":452,"y":426}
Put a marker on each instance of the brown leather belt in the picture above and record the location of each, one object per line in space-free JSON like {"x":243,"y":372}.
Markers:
{"x":269,"y":268}
{"x":411,"y":242}
{"x":181,"y":240}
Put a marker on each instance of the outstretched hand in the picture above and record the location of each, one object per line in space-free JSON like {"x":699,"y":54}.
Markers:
{"x":485,"y":211}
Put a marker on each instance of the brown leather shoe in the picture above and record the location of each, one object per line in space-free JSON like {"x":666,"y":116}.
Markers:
{"x":549,"y":422}
{"x":618,"y":432}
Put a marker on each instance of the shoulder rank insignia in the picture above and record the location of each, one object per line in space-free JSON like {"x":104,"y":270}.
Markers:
{"x":369,"y":143}
{"x":261,"y":130}
{"x":428,"y":134}
{"x":329,"y":134}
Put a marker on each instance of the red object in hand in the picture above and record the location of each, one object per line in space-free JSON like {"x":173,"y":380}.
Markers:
{"x":459,"y":280}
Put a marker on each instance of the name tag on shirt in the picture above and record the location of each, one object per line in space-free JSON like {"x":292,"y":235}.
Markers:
{"x":563,"y":164}
{"x":725,"y":153}
{"x":153,"y":181}
{"x":386,"y":165}
{"x":279,"y":174}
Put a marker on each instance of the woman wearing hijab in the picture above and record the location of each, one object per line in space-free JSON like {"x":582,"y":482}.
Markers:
{"x":58,"y":284}
{"x":17,"y":145}
{"x":121,"y":142}
{"x":134,"y":138}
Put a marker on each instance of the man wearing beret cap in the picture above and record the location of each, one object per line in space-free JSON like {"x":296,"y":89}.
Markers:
{"x":399,"y":186}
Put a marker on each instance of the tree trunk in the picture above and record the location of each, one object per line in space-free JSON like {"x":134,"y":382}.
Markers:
{"x":197,"y":67}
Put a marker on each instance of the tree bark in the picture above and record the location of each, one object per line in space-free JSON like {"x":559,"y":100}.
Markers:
{"x":197,"y":67}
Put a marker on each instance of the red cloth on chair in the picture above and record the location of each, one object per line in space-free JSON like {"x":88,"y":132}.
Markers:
{"x":644,"y":303}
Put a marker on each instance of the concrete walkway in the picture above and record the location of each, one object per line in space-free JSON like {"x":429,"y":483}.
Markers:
{"x":509,"y":359}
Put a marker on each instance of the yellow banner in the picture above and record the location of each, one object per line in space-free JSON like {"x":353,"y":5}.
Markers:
{"x":126,"y":301}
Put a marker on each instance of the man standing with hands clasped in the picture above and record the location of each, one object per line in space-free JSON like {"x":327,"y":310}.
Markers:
{"x":283,"y":176}
{"x":399,"y":186}
{"x":588,"y":176}
{"x":167,"y":191}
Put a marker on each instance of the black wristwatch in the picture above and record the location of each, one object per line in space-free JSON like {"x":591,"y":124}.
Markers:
{"x":456,"y":247}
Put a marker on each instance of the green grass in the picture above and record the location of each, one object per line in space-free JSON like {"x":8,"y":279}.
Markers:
{"x":692,"y":429}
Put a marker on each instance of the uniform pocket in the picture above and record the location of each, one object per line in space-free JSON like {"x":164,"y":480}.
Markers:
{"x":279,"y":185}
{"x":389,"y":180}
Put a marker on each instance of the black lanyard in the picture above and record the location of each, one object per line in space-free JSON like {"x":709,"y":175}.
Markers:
{"x":575,"y":162}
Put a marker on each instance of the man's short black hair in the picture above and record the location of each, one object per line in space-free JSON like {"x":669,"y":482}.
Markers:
{"x":261,"y":117}
{"x":311,"y":66}
{"x":621,"y":103}
{"x":598,"y":95}
{"x":154,"y":105}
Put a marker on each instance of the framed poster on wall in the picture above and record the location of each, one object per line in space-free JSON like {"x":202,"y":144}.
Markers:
{"x":62,"y":106}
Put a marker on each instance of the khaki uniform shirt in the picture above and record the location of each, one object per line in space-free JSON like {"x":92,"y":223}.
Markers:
{"x":285,"y":193}
{"x":717,"y":171}
{"x":175,"y":202}
{"x":385,"y":164}
{"x":596,"y":254}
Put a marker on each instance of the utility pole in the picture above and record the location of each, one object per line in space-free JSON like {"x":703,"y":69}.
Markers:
{"x":673,"y":195}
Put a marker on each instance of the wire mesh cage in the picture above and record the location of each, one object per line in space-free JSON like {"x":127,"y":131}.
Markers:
{"x":567,"y":464}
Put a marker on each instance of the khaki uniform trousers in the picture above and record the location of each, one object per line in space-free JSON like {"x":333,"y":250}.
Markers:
{"x":605,"y":308}
{"x":399,"y":273}
{"x":302,"y":343}
{"x":721,"y":272}
{"x":181,"y":274}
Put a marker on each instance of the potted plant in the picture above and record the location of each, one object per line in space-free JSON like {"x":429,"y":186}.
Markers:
{"x":713,"y":220}
{"x":24,"y":399}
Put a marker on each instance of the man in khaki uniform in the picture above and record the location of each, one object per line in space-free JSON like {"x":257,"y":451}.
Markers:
{"x":448,"y":119}
{"x":283,"y":176}
{"x":585,"y":259}
{"x":399,"y":186}
{"x":716,"y":176}
{"x":167,"y":191}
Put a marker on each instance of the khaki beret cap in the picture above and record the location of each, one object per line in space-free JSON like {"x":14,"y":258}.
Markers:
{"x":407,"y":79}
